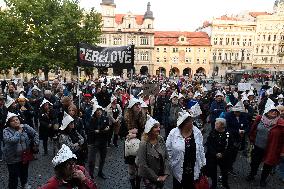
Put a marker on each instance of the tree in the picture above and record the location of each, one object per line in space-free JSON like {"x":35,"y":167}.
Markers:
{"x":49,"y":31}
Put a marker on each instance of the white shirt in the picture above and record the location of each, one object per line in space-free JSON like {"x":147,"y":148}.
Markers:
{"x":176,"y":148}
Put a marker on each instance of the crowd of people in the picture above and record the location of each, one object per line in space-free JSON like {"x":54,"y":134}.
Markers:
{"x":203,"y":130}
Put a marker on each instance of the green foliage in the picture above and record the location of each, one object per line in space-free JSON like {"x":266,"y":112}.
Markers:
{"x":43,"y":34}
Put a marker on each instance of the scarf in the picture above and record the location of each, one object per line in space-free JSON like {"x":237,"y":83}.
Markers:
{"x":269,"y":122}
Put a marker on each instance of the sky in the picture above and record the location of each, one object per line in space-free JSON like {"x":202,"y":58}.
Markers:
{"x":183,"y":15}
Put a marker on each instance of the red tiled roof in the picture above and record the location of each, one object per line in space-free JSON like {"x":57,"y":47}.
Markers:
{"x":225,"y":17}
{"x":171,"y":38}
{"x":119,"y":18}
{"x":255,"y":14}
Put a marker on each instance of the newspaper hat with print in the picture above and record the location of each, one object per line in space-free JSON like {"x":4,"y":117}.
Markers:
{"x":63,"y":155}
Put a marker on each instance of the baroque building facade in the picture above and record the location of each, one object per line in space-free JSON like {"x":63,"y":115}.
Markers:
{"x":129,"y":29}
{"x":181,"y":53}
{"x":269,"y":37}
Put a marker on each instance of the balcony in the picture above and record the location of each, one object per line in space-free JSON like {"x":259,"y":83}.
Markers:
{"x":226,"y":62}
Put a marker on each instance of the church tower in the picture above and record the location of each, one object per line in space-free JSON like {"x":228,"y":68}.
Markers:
{"x":108,"y":13}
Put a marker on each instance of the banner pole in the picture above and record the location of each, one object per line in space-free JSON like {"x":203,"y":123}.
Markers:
{"x":78,"y":87}
{"x":131,"y":78}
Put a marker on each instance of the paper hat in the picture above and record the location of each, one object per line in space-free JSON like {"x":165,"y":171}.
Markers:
{"x":270,"y":105}
{"x":63,"y":155}
{"x":23,"y":97}
{"x":150,"y":124}
{"x":44,"y":102}
{"x":95,"y":108}
{"x":9,"y":115}
{"x":196,"y":94}
{"x":9,"y":101}
{"x":182,"y":116}
{"x":219,"y":93}
{"x":280,"y":96}
{"x":94,"y":100}
{"x":133,"y":101}
{"x":162,"y":89}
{"x":36,"y":88}
{"x":180,"y":96}
{"x":174,"y":94}
{"x":245,"y":98}
{"x":66,"y":121}
{"x":140,"y":93}
{"x":229,"y":104}
{"x":113,"y":98}
{"x":251,"y":93}
{"x":143,"y":104}
{"x":238,"y":108}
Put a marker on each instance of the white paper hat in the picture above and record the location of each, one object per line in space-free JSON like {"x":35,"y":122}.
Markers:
{"x":251,"y":93}
{"x":280,"y":96}
{"x":162,"y":89}
{"x":180,"y":96}
{"x":66,"y":121}
{"x":63,"y":155}
{"x":150,"y":124}
{"x":196,"y":94}
{"x":238,"y":107}
{"x":36,"y":88}
{"x":269,"y":91}
{"x":229,"y":104}
{"x":113,"y":98}
{"x":270,"y":105}
{"x":44,"y":102}
{"x":143,"y":104}
{"x":140,"y":93}
{"x":117,"y":88}
{"x":9,"y":101}
{"x":196,"y":110}
{"x":23,"y":97}
{"x":21,"y":90}
{"x":94,"y":100}
{"x":174,"y":94}
{"x":133,"y":101}
{"x":205,"y":89}
{"x":9,"y":115}
{"x":95,"y":108}
{"x":244,"y":98}
{"x":219,"y":93}
{"x":182,"y":116}
{"x":276,"y":86}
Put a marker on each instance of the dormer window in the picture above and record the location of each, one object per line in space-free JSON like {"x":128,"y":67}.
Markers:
{"x":182,"y":39}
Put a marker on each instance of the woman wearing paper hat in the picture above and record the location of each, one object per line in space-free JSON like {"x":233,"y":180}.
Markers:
{"x":266,"y":135}
{"x":280,"y":100}
{"x":217,"y":107}
{"x":186,"y":152}
{"x":135,"y":121}
{"x":152,"y":159}
{"x":71,"y":138}
{"x":18,"y":139}
{"x":114,"y":113}
{"x":47,"y":119}
{"x":67,"y":173}
{"x":25,"y":109}
{"x":97,"y":130}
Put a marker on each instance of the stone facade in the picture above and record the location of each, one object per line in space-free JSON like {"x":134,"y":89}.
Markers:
{"x":181,"y":53}
{"x":269,"y":37}
{"x":129,"y":29}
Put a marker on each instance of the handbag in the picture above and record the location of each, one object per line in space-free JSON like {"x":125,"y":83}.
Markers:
{"x":202,"y":183}
{"x":131,"y":147}
{"x":27,"y":155}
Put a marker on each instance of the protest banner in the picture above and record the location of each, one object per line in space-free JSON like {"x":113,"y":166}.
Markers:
{"x":244,"y":86}
{"x":151,"y":89}
{"x":108,"y":57}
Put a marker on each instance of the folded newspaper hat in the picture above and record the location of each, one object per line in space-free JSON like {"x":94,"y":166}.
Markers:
{"x":63,"y":155}
{"x":9,"y":115}
{"x":174,"y":94}
{"x":67,"y":119}
{"x":183,"y":116}
{"x":270,"y":105}
{"x":9,"y":101}
{"x":44,"y":102}
{"x":133,"y":101}
{"x":95,"y":108}
{"x":162,"y":89}
{"x":251,"y":93}
{"x":219,"y":93}
{"x":140,"y":93}
{"x":180,"y":96}
{"x":280,"y":96}
{"x":36,"y":88}
{"x":150,"y":123}
{"x":143,"y":104}
{"x":22,"y":97}
{"x":238,"y":108}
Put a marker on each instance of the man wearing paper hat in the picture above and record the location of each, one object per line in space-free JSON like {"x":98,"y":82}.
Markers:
{"x":67,"y":173}
{"x":217,"y":107}
{"x":97,"y":129}
{"x":280,"y":100}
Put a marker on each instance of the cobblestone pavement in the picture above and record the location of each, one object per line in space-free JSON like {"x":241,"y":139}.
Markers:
{"x":41,"y":170}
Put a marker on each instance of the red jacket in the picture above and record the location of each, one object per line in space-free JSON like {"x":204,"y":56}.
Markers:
{"x":275,"y":141}
{"x":55,"y":183}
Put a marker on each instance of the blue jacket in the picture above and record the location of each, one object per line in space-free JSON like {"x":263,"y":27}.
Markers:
{"x":216,"y":109}
{"x":233,"y":125}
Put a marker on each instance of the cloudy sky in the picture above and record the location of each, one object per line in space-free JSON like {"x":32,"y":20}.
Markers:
{"x":183,"y":14}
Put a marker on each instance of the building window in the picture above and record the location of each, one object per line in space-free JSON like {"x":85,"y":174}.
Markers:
{"x":149,"y":26}
{"x":249,"y":43}
{"x":144,"y":56}
{"x":157,"y":49}
{"x":197,"y":61}
{"x":227,"y":41}
{"x":257,"y":49}
{"x":274,"y":38}
{"x":129,"y":26}
{"x":182,"y":39}
{"x":144,"y":41}
{"x":175,"y":60}
{"x":269,"y":38}
{"x":131,"y":40}
{"x":215,"y":40}
{"x":158,"y":59}
{"x":204,"y":61}
{"x":117,"y":41}
{"x":204,"y":50}
{"x":175,"y":50}
{"x":165,"y":59}
{"x":220,"y":56}
{"x":103,"y":40}
{"x":233,"y":41}
{"x":238,"y":41}
{"x":263,"y":37}
{"x":188,"y":60}
{"x":244,"y":42}
{"x":165,"y":50}
{"x":187,"y":49}
{"x":248,"y":56}
{"x":271,"y":59}
{"x":221,"y":41}
{"x":199,"y":50}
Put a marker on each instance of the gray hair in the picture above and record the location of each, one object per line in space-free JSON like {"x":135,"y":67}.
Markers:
{"x":221,"y":120}
{"x":47,"y":92}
